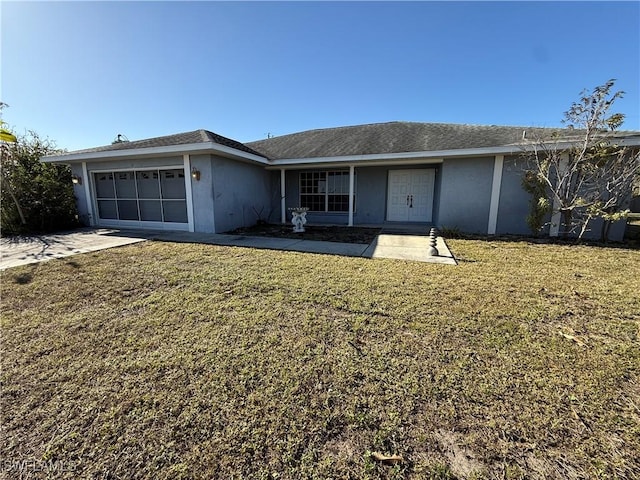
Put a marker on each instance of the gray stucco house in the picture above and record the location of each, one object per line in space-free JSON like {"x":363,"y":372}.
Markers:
{"x":458,"y":176}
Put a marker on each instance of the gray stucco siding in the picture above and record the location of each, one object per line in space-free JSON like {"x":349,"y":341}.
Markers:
{"x":129,"y":164}
{"x":202,"y":194}
{"x":371,"y":195}
{"x":594,"y":230}
{"x":239,"y":191}
{"x":292,"y":190}
{"x":515,"y":202}
{"x":465,"y":194}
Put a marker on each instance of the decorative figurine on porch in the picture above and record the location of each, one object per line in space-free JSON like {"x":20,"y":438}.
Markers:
{"x":298,"y":218}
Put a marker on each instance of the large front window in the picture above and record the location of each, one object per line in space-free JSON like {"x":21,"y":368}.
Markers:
{"x":325,"y":191}
{"x":142,"y":195}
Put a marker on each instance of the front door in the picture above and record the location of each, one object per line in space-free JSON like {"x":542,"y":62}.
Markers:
{"x":410,"y":195}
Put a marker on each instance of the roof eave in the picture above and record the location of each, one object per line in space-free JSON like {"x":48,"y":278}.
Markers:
{"x":435,"y":156}
{"x":191,"y":149}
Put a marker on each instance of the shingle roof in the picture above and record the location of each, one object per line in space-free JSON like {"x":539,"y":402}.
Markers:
{"x":395,"y":137}
{"x":196,"y":136}
{"x":375,"y":138}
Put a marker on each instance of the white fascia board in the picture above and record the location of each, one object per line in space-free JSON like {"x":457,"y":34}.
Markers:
{"x":191,"y":148}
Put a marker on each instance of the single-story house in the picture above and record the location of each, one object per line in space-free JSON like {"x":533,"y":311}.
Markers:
{"x":464,"y":177}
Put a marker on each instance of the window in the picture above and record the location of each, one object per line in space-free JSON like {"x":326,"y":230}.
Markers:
{"x":325,"y":191}
{"x":142,"y":195}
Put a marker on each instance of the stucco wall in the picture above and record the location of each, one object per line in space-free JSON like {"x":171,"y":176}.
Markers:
{"x":128,"y":164}
{"x":514,"y":200}
{"x":465,"y":194}
{"x":202,"y":194}
{"x":371,"y":195}
{"x":238,"y":189}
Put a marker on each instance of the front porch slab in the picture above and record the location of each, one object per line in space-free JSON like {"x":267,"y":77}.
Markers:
{"x":409,"y":247}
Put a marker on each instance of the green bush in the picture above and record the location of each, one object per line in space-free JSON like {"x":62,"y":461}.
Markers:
{"x":539,"y":205}
{"x":36,"y":197}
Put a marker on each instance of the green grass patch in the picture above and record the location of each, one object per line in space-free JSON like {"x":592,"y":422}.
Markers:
{"x":167,"y":361}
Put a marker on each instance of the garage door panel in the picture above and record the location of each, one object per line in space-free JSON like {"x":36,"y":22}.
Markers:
{"x":150,"y":211}
{"x":107,"y":209}
{"x":174,"y":211}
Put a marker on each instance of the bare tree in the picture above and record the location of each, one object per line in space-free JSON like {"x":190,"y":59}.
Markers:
{"x":585,"y":173}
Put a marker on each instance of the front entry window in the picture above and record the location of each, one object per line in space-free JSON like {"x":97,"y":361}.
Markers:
{"x":325,"y":191}
{"x":142,"y":195}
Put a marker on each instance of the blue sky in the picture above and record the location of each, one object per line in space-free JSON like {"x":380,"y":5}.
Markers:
{"x":82,"y":72}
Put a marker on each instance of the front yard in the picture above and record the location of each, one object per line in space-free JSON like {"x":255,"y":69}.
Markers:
{"x":168,"y":361}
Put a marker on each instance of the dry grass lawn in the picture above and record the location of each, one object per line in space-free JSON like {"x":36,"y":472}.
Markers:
{"x":169,"y":361}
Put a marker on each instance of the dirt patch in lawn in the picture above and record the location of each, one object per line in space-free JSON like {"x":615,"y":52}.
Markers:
{"x":320,"y":233}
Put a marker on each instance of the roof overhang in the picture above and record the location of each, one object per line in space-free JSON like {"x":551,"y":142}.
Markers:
{"x":429,"y":157}
{"x":205,"y":148}
{"x":406,"y":158}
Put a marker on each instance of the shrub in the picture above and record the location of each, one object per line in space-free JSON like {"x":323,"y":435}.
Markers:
{"x":36,"y":197}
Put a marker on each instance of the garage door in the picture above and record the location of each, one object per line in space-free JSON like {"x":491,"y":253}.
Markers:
{"x":142,"y":198}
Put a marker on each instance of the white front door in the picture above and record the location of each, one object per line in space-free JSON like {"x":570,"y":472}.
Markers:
{"x":410,"y":195}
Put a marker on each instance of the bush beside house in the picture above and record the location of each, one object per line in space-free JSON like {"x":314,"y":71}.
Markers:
{"x":36,"y":197}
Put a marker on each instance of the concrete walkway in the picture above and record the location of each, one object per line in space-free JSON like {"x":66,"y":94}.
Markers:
{"x":25,"y":250}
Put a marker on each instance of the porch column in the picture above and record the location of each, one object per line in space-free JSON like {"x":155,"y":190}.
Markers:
{"x":87,"y":195}
{"x":283,"y":203}
{"x":351,"y":174}
{"x":186,"y":160}
{"x":495,"y":194}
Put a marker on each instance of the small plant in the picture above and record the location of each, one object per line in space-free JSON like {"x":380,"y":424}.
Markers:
{"x":261,"y":220}
{"x":450,"y":232}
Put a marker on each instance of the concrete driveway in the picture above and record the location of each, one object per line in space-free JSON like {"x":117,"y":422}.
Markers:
{"x":23,"y":250}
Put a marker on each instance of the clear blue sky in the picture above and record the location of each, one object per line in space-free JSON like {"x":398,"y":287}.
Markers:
{"x":82,"y":72}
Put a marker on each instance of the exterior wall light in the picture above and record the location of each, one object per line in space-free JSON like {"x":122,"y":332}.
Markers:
{"x":76,"y":180}
{"x":195,"y":174}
